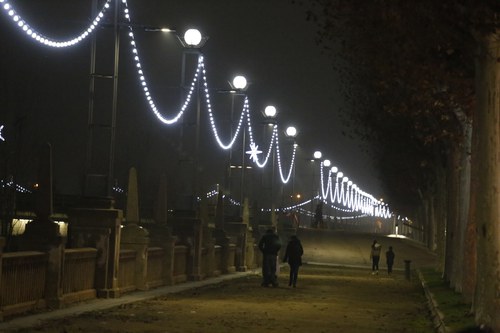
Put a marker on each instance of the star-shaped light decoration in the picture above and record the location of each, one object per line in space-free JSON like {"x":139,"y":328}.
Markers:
{"x":1,"y":137}
{"x":254,"y":151}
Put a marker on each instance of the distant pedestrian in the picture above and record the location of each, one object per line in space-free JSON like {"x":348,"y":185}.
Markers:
{"x":375,"y":256}
{"x":269,"y":245}
{"x":318,"y":216}
{"x":389,"y":256}
{"x":293,"y":256}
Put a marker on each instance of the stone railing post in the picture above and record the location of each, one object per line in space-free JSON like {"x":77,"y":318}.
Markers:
{"x":134,"y":237}
{"x":189,"y":231}
{"x":2,"y":244}
{"x":224,"y":242}
{"x":209,"y":244}
{"x":100,"y":229}
{"x":161,"y":236}
{"x":43,"y":234}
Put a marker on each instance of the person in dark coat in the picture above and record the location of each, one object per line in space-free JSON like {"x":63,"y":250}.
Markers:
{"x":389,"y":256}
{"x":293,"y":255}
{"x":269,"y":245}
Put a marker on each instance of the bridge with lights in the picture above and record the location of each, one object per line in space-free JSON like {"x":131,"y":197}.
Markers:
{"x":335,"y":189}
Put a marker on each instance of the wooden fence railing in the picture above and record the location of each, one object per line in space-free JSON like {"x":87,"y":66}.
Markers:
{"x":23,"y":281}
{"x":79,"y":274}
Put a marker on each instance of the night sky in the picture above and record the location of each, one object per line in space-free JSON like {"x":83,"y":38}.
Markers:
{"x":44,"y":92}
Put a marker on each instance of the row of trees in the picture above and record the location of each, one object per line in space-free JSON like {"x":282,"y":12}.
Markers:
{"x":423,"y":82}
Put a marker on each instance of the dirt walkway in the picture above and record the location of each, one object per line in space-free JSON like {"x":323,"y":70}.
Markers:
{"x":327,"y":299}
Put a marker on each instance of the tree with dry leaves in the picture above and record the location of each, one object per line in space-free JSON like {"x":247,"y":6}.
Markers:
{"x":423,"y":81}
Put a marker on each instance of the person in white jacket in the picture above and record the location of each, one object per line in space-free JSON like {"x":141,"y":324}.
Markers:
{"x":375,"y":256}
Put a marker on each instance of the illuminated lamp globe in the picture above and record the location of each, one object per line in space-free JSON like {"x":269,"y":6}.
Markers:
{"x":345,"y":179}
{"x":349,"y":183}
{"x":317,"y":155}
{"x":270,"y":111}
{"x":192,"y":37}
{"x":327,"y":163}
{"x":291,"y":131}
{"x":340,"y":175}
{"x":335,"y":169}
{"x":239,"y":82}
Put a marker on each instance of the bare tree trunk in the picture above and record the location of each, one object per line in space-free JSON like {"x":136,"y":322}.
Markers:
{"x":426,"y":219}
{"x":487,"y":215}
{"x":463,"y":208}
{"x":470,"y":241}
{"x":439,"y":215}
{"x":452,"y":218}
{"x":432,"y":230}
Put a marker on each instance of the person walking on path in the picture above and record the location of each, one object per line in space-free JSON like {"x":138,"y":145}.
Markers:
{"x":375,"y":256}
{"x":293,"y":255}
{"x":269,"y":245}
{"x":389,"y":256}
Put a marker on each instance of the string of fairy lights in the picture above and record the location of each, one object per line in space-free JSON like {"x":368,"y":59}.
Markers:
{"x":338,"y":189}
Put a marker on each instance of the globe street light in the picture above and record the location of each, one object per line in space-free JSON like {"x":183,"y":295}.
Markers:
{"x":270,"y":111}
{"x":192,"y":37}
{"x":239,"y":82}
{"x":291,"y":132}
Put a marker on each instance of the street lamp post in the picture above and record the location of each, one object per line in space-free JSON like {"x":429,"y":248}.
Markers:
{"x":316,"y":156}
{"x":239,"y":86}
{"x":291,"y":132}
{"x":270,"y":116}
{"x":326,"y":163}
{"x":192,"y":41}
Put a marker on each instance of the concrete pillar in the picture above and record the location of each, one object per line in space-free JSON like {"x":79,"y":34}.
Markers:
{"x":208,"y":243}
{"x":2,"y":244}
{"x":132,"y":212}
{"x":190,"y":232}
{"x":160,"y":234}
{"x":237,"y":232}
{"x":133,"y":236}
{"x":42,"y":234}
{"x":99,"y":228}
{"x":224,"y":242}
{"x":243,"y":238}
{"x":196,"y":251}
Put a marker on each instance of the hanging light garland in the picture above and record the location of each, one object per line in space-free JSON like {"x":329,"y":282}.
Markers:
{"x":17,"y":187}
{"x":350,"y":195}
{"x":48,"y":41}
{"x":245,"y":110}
{"x":254,"y":146}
